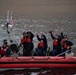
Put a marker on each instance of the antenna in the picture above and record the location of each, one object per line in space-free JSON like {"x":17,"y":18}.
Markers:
{"x":8,"y":16}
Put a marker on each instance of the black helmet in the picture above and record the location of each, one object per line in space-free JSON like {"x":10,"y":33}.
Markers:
{"x":24,"y":33}
{"x":11,"y":41}
{"x":5,"y":41}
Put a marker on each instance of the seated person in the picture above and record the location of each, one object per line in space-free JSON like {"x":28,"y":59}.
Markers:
{"x":40,"y":49}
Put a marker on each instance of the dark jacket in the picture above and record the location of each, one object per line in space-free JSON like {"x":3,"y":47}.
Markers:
{"x":58,"y":47}
{"x":31,"y":35}
{"x":44,"y":41}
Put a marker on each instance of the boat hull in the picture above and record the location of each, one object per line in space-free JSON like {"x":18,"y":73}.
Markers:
{"x":38,"y":62}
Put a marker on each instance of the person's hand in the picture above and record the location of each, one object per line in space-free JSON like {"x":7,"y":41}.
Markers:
{"x":50,"y":31}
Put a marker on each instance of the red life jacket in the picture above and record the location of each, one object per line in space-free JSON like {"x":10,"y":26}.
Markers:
{"x":3,"y":51}
{"x":28,"y":40}
{"x":41,"y":45}
{"x":23,"y":40}
{"x":55,"y":42}
{"x":66,"y":46}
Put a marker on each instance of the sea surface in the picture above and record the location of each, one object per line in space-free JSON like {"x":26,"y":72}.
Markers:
{"x":37,"y":26}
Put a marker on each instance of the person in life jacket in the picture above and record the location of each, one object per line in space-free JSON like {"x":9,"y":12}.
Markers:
{"x":27,"y":43}
{"x":56,"y":44}
{"x":23,"y":42}
{"x":44,"y":39}
{"x":23,"y":39}
{"x":31,"y":35}
{"x":5,"y":51}
{"x":65,"y":44}
{"x":40,"y":49}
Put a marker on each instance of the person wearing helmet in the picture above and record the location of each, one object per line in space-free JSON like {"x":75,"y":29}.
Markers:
{"x":44,"y":39}
{"x":40,"y":49}
{"x":56,"y":44}
{"x":5,"y":51}
{"x":66,"y":44}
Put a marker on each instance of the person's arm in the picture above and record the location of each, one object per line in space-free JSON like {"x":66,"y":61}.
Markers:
{"x":38,"y":38}
{"x":52,"y":36}
{"x":62,"y":35}
{"x":32,"y":35}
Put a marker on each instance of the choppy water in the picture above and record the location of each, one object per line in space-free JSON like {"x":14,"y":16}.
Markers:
{"x":68,"y":24}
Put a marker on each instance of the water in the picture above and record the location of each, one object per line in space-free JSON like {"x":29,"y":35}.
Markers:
{"x":41,"y":25}
{"x":35,"y":71}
